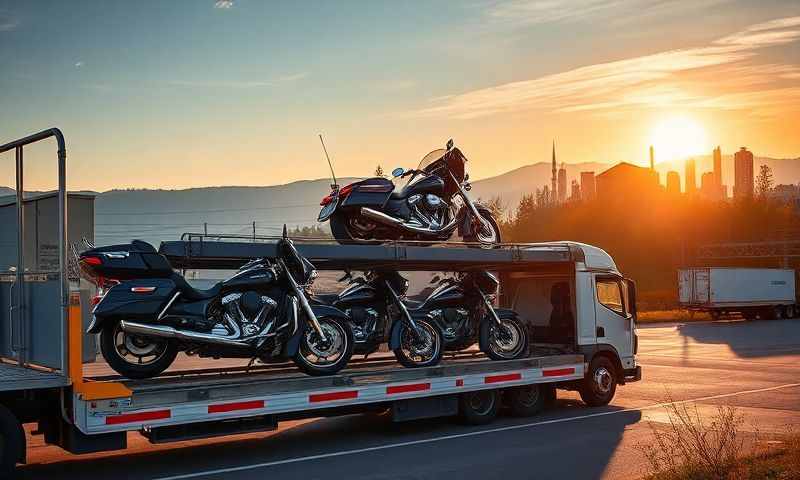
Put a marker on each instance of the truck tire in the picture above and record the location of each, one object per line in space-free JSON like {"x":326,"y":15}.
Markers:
{"x":12,"y":442}
{"x":479,"y":407}
{"x":527,"y":400}
{"x":600,"y":384}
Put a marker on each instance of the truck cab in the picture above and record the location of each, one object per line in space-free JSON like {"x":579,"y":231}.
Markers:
{"x":585,"y":306}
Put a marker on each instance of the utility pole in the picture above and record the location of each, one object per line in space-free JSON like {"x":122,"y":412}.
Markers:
{"x":254,"y":230}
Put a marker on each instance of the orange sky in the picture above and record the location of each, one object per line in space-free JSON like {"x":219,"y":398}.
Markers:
{"x":193,"y":95}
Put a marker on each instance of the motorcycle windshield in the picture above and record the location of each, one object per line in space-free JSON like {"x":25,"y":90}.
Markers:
{"x":430,"y":158}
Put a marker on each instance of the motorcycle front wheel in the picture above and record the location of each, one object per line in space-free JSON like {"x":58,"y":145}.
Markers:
{"x":316,"y":357}
{"x":423,"y":349}
{"x":508,"y":341}
{"x":136,"y":356}
{"x":488,"y":234}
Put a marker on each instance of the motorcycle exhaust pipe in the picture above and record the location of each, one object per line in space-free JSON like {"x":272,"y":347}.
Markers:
{"x":381,"y":217}
{"x":164,"y":331}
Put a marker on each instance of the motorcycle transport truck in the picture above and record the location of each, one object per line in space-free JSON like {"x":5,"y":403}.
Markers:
{"x":580,"y":312}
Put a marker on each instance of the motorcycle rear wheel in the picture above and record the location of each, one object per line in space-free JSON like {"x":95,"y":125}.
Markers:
{"x":135,"y":356}
{"x":340,"y":228}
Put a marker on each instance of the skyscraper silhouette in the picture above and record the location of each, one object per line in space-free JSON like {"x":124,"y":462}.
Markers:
{"x":553,"y":188}
{"x":743,"y":170}
{"x":691,"y":181}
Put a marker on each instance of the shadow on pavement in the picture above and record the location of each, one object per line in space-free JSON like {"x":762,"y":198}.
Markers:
{"x":748,"y":339}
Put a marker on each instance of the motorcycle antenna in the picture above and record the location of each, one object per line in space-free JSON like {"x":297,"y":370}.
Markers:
{"x":334,"y":185}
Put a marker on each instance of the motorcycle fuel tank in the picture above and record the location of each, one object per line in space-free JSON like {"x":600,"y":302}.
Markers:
{"x":355,"y":294}
{"x":431,"y":184}
{"x":251,"y":278}
{"x":446,"y":295}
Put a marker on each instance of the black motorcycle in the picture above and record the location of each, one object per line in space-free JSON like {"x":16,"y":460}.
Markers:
{"x":147,"y":313}
{"x":377,"y":314}
{"x":462,"y":307}
{"x":431,"y":206}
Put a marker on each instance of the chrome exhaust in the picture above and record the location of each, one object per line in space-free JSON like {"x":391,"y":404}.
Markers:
{"x":381,"y":217}
{"x":164,"y":331}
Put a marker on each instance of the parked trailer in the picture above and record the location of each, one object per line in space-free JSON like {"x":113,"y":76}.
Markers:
{"x":581,"y":314}
{"x":751,"y":292}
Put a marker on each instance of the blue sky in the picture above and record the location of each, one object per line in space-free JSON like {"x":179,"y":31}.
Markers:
{"x":192,"y":93}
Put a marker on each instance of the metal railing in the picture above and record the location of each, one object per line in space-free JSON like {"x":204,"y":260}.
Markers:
{"x":17,"y":146}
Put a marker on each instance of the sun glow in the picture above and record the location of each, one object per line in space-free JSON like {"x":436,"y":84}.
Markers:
{"x":677,"y":138}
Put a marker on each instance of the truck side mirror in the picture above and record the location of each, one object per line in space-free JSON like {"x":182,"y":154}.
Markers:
{"x":631,"y":286}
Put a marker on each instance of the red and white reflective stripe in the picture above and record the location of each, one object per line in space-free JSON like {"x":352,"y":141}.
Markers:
{"x":407,"y":388}
{"x":99,"y":417}
{"x":138,"y":417}
{"x":558,"y":372}
{"x":507,"y":377}
{"x":236,"y":406}
{"x":332,"y":396}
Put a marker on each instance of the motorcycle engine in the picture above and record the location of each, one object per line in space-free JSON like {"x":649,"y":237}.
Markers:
{"x":249,"y":309}
{"x":363,"y":322}
{"x":430,"y":210}
{"x":452,"y":321}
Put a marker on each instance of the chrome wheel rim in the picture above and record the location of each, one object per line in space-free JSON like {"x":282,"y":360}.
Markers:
{"x":324,"y":354}
{"x":487,"y":234}
{"x":509,"y":345}
{"x":603,"y":380}
{"x":138,"y":350}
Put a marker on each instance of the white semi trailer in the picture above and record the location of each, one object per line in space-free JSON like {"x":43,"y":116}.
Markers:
{"x":751,"y":292}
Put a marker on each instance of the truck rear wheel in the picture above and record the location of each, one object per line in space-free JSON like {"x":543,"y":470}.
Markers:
{"x":479,"y":407}
{"x":527,"y":400}
{"x":600,"y":384}
{"x":12,"y":442}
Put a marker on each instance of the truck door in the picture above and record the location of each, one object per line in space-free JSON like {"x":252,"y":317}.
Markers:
{"x":613,"y":315}
{"x":701,"y":286}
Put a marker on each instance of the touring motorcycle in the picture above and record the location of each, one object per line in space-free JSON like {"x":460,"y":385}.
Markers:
{"x":431,"y":206}
{"x":462,"y":307}
{"x":146,"y":313}
{"x":375,"y":307}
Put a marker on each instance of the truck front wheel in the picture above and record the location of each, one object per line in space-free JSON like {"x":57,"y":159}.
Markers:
{"x":600,"y":384}
{"x":12,"y":442}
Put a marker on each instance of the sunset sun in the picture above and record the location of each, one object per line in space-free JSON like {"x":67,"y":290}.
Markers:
{"x":678,"y":137}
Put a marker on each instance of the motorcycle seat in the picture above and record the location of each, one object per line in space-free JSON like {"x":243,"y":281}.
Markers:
{"x":325,"y":299}
{"x":190,"y":293}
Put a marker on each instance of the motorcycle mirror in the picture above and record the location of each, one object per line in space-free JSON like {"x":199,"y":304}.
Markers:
{"x":466,"y":177}
{"x":285,"y":234}
{"x":397,"y":172}
{"x":450,"y":144}
{"x":347,"y":276}
{"x":436,"y":279}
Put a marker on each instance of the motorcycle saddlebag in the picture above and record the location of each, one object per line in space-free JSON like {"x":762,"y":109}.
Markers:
{"x":372,"y":192}
{"x":127,"y":261}
{"x":136,"y":299}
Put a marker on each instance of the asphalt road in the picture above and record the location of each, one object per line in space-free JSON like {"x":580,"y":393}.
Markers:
{"x":754,"y":366}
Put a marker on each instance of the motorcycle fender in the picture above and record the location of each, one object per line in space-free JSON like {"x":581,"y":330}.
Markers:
{"x":465,"y":222}
{"x":483,"y":338}
{"x":394,"y":335}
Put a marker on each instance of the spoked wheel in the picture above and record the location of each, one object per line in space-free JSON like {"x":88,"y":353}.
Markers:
{"x":507,"y":341}
{"x":486,"y":232}
{"x":423,"y":348}
{"x":136,"y":356}
{"x":318,"y":357}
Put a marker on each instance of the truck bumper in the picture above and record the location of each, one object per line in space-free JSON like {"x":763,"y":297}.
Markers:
{"x":633,"y":374}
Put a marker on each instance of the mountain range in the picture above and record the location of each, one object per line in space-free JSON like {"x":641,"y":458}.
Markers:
{"x":156,"y":215}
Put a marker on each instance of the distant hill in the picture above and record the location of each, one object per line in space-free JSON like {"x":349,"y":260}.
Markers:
{"x":156,"y":215}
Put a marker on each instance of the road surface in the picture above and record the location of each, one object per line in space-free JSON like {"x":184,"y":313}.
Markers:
{"x":754,"y":366}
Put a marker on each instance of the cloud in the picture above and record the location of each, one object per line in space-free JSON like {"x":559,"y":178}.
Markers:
{"x":7,"y":22}
{"x":223,"y":4}
{"x":661,"y":79}
{"x":239,"y":84}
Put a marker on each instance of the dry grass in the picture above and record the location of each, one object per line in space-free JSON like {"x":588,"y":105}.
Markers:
{"x":676,"y":315}
{"x":691,"y":447}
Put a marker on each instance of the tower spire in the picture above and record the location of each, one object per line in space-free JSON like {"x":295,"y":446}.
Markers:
{"x":553,"y":178}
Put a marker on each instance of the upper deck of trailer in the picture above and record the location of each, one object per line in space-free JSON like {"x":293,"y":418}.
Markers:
{"x":198,"y":251}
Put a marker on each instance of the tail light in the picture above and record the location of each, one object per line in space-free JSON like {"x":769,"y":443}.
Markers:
{"x":96,"y":299}
{"x":92,"y":260}
{"x":341,"y":193}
